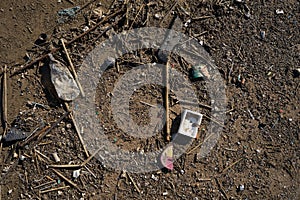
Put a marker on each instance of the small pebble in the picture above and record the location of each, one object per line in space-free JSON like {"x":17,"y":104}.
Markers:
{"x":22,"y":157}
{"x":248,"y":14}
{"x":296,"y":72}
{"x":10,"y":191}
{"x":15,"y":155}
{"x":187,"y":23}
{"x":262,"y":34}
{"x":241,"y":187}
{"x":86,"y":28}
{"x":165,"y":193}
{"x":157,"y":16}
{"x":69,"y":126}
{"x":154,"y":177}
{"x":278,"y":12}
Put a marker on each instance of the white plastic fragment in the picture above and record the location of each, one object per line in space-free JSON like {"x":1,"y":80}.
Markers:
{"x":241,"y":187}
{"x":187,"y":23}
{"x":279,"y":11}
{"x":157,"y":16}
{"x":22,"y":157}
{"x":154,"y":177}
{"x":85,"y":29}
{"x":109,"y":62}
{"x":15,"y":155}
{"x":56,"y":158}
{"x":63,"y":81}
{"x":190,"y":121}
{"x":76,"y":173}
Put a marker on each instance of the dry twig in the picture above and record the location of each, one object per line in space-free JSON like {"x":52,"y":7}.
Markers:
{"x":64,"y":166}
{"x":168,"y":136}
{"x":175,"y":4}
{"x":77,"y":130}
{"x":4,"y":96}
{"x":67,"y":180}
{"x":230,"y":166}
{"x":135,"y":185}
{"x":54,"y":189}
{"x":73,"y":71}
{"x":221,"y":188}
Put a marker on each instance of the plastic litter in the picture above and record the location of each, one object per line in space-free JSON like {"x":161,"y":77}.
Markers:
{"x":15,"y":134}
{"x":71,"y":12}
{"x":196,"y":73}
{"x":166,"y":158}
{"x":190,"y":121}
{"x":65,"y":86}
{"x":56,"y":158}
{"x":76,"y":173}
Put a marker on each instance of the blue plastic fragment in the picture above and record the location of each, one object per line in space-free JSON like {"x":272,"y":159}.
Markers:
{"x":15,"y":134}
{"x":69,"y":11}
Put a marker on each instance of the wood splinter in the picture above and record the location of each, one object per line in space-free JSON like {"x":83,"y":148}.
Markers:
{"x":54,"y":189}
{"x":168,"y":133}
{"x":134,"y":184}
{"x":4,"y":104}
{"x":73,"y":71}
{"x":77,"y":130}
{"x":67,"y":180}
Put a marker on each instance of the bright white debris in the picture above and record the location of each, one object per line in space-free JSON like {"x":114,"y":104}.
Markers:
{"x":76,"y":173}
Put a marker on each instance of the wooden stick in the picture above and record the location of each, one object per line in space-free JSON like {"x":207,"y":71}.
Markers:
{"x":135,"y":185}
{"x":67,"y":180}
{"x":26,"y":66}
{"x":43,"y":155}
{"x":77,"y":130}
{"x":221,"y":189}
{"x":196,"y":147}
{"x":42,"y":185}
{"x":54,"y":189}
{"x":141,"y":7}
{"x":202,"y":17}
{"x":175,"y":4}
{"x":224,"y":170}
{"x":4,"y":105}
{"x":147,"y":104}
{"x":52,"y":127}
{"x":72,"y":68}
{"x":88,"y":160}
{"x":168,"y":135}
{"x":65,"y":166}
{"x":27,"y":140}
{"x":5,"y":98}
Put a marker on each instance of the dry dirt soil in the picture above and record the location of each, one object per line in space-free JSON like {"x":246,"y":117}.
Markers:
{"x":256,"y":48}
